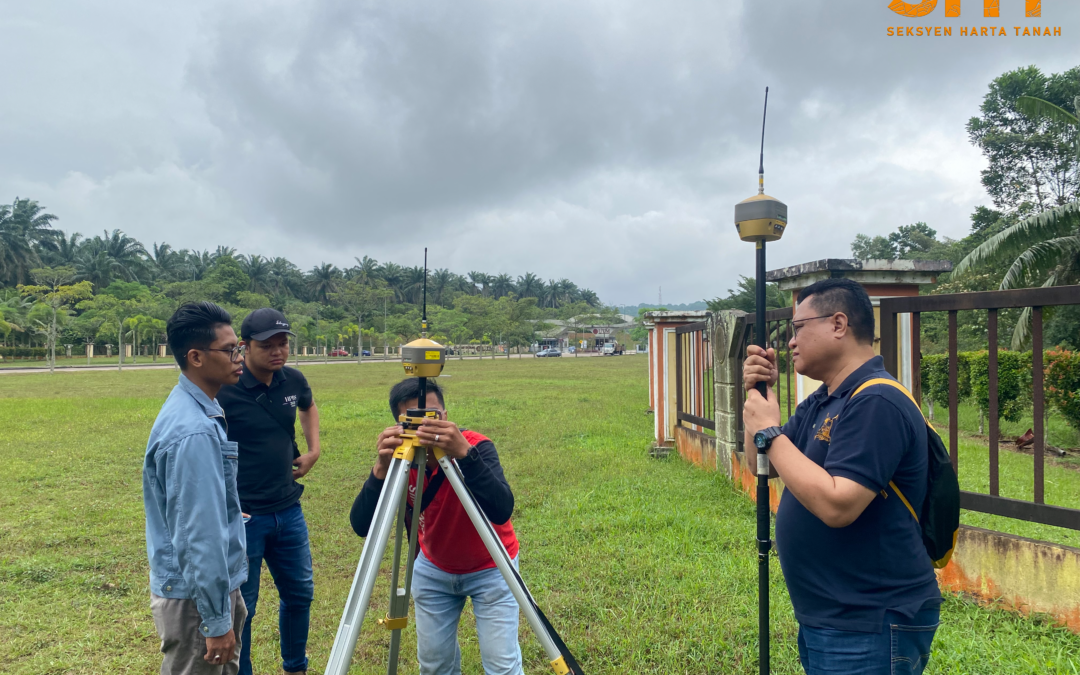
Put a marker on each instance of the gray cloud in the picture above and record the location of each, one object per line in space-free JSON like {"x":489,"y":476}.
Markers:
{"x":604,"y":143}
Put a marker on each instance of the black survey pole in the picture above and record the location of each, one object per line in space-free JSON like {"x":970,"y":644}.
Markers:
{"x":760,"y":219}
{"x":764,"y":540}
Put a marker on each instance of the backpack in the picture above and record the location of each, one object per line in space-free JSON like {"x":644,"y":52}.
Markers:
{"x":940,"y":518}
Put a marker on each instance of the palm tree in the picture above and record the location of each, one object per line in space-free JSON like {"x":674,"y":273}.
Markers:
{"x":440,"y":283}
{"x":223,"y":252}
{"x":413,"y":284}
{"x":23,"y":229}
{"x":530,"y":286}
{"x":285,"y":278}
{"x":66,"y":249}
{"x":166,"y":263}
{"x":550,"y":293}
{"x":394,"y":276}
{"x":258,"y":270}
{"x":1033,"y":106}
{"x":502,"y":285}
{"x":478,"y":279}
{"x":590,"y":298}
{"x":323,"y":280}
{"x":126,"y":255}
{"x":1045,"y":248}
{"x":1045,"y":251}
{"x":366,"y":269}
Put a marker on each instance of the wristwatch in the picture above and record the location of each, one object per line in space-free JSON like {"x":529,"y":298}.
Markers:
{"x":764,"y":438}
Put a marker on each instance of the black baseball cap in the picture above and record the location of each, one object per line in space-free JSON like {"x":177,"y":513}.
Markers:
{"x":264,"y":323}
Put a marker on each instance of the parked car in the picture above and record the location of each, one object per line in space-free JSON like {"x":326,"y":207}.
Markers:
{"x":339,"y":352}
{"x":367,"y":352}
{"x":550,"y":351}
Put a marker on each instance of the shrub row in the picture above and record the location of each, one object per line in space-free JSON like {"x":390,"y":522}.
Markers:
{"x":1062,"y":382}
{"x":24,"y":352}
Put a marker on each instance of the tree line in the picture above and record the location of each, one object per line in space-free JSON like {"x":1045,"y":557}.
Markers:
{"x":59,"y":288}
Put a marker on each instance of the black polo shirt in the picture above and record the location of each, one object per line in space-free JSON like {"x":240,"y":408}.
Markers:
{"x":266,"y":435}
{"x":845,"y":578}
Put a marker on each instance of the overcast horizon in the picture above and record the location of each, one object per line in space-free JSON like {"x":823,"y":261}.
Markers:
{"x":603,"y":143}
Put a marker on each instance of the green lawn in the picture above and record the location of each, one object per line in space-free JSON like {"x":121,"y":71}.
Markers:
{"x":644,"y":565}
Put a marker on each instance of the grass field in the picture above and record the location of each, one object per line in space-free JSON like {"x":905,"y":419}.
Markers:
{"x":644,"y":566}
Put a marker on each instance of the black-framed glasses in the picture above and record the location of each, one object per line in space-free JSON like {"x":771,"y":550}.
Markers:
{"x":235,"y":354}
{"x":802,"y":322}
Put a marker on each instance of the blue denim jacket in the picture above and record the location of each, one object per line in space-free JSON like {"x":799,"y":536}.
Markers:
{"x":194,"y":529}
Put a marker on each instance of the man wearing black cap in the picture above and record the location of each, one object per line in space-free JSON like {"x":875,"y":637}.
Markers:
{"x":261,"y":409}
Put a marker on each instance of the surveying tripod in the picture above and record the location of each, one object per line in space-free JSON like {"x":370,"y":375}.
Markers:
{"x":425,"y":358}
{"x":394,"y":498}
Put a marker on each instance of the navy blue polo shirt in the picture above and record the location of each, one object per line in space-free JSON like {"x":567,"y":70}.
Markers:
{"x":846,"y":578}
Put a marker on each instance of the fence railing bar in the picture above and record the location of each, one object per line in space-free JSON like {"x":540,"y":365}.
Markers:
{"x":954,"y":394}
{"x":992,"y":367}
{"x":1037,"y":394}
{"x":678,"y":373}
{"x":700,"y":326}
{"x":916,"y":356}
{"x":1015,"y":299}
{"x":700,"y":421}
{"x":1057,"y":516}
{"x":787,"y":350}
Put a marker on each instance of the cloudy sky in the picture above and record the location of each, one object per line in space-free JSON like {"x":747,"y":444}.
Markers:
{"x":596,"y":140}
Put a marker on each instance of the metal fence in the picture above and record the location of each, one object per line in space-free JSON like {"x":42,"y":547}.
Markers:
{"x":694,"y":404}
{"x":778,"y":327}
{"x":991,"y":301}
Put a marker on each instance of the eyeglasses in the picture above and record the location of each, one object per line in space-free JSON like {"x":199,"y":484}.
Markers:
{"x":235,"y":354}
{"x":802,"y":322}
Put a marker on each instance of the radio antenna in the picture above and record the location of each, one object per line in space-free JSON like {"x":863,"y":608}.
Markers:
{"x":761,"y":160}
{"x":423,"y":318}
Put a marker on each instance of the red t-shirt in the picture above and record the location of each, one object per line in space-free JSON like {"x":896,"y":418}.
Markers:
{"x":447,"y":536}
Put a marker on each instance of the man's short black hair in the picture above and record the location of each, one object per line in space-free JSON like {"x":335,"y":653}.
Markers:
{"x":194,"y":326}
{"x":409,"y":389}
{"x":844,"y":295}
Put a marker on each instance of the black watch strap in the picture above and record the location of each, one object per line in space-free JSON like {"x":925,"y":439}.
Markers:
{"x":764,"y":438}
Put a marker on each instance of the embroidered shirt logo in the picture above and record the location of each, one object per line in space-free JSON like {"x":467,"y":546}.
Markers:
{"x":825,"y":432}
{"x":290,"y":400}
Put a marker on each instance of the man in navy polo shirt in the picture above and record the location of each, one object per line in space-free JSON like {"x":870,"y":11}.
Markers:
{"x":262,"y":410}
{"x":859,"y":577}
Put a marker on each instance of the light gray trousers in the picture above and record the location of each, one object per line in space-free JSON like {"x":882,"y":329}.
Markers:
{"x":182,"y":642}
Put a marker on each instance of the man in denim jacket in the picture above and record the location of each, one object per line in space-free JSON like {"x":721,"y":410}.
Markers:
{"x":194,"y":528}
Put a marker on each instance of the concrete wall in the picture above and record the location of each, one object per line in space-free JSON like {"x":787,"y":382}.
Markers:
{"x":1025,"y":575}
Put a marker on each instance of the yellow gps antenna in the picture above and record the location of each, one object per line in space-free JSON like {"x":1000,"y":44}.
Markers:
{"x":423,"y":358}
{"x":759,"y":219}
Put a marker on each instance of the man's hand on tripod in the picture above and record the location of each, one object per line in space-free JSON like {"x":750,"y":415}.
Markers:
{"x":388,"y":442}
{"x":443,"y":434}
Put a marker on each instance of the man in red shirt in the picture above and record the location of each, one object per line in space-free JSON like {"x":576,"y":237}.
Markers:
{"x":453,"y":564}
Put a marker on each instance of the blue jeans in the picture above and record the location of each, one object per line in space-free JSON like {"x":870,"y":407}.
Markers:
{"x":901,"y":648}
{"x":281,"y":539}
{"x":439,"y":598}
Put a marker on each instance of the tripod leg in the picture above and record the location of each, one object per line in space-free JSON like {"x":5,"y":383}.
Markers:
{"x":503,"y":562}
{"x":398,"y":615}
{"x":397,"y":479}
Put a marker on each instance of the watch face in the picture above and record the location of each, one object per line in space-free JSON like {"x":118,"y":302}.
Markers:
{"x":760,"y":440}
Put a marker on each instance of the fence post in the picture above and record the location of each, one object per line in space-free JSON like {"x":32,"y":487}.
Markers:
{"x":727,"y":331}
